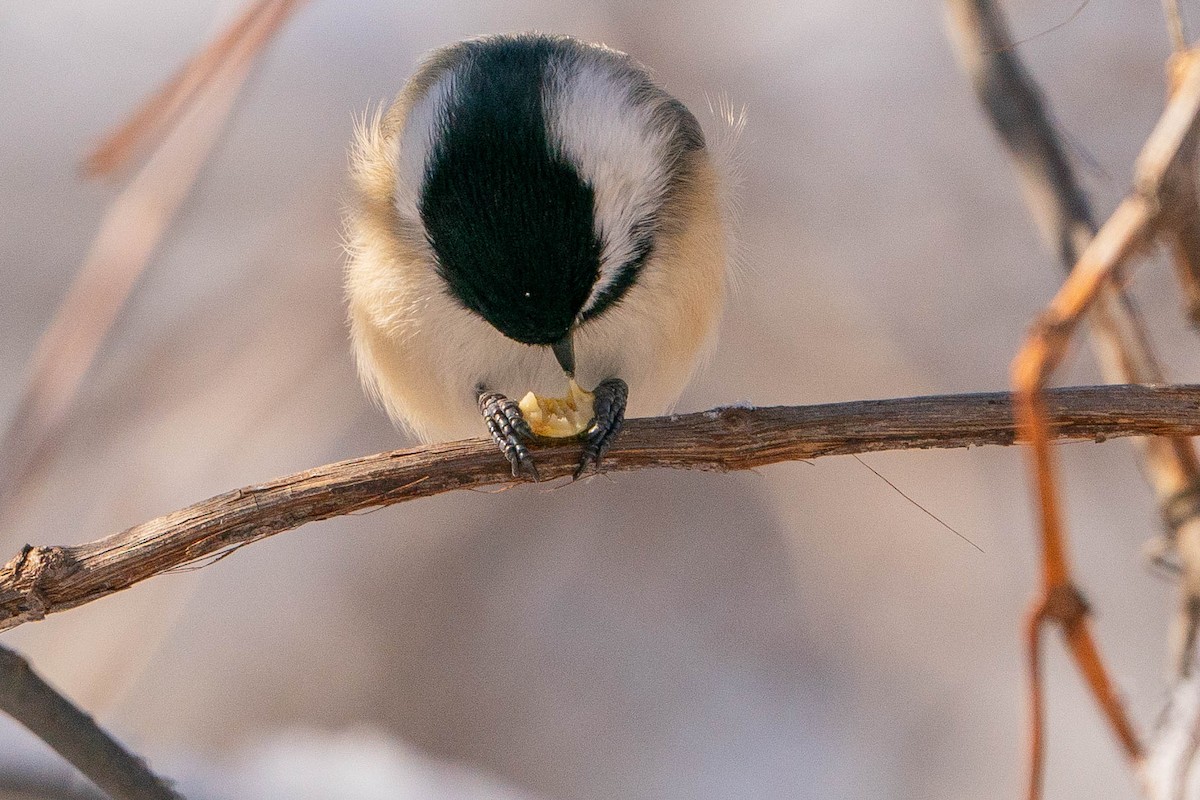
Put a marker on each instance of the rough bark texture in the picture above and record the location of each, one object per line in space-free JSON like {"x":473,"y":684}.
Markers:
{"x":43,"y":580}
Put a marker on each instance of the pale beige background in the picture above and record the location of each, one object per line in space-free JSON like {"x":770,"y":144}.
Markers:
{"x":800,"y":632}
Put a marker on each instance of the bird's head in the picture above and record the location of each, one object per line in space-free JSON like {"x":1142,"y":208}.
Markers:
{"x":539,"y":169}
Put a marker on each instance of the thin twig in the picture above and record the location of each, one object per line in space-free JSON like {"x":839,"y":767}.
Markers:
{"x":151,"y":122}
{"x":1169,"y":763}
{"x":1162,"y":168}
{"x":922,"y":508}
{"x":44,"y":580}
{"x":1017,"y":110}
{"x":1061,"y":209}
{"x":74,"y":735}
{"x":1175,"y":25}
{"x":130,"y":233}
{"x":1034,"y":623}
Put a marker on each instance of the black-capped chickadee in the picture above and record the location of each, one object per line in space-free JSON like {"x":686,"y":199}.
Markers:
{"x":529,"y":206}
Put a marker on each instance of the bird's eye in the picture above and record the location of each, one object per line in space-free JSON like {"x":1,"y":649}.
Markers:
{"x":527,"y":295}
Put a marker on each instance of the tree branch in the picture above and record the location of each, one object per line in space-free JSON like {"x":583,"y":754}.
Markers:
{"x":133,"y":228}
{"x":74,"y":735}
{"x":1169,"y":206}
{"x":44,"y":580}
{"x":1016,"y":109}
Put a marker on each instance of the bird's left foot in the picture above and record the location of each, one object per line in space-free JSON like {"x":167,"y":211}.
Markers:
{"x":609,"y":407}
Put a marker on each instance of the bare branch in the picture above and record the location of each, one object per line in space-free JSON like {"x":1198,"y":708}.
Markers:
{"x":74,"y":735}
{"x":133,"y":227}
{"x":44,"y":580}
{"x":150,"y":123}
{"x":1176,"y":740}
{"x":1175,"y":25}
{"x":1015,"y":107}
{"x":1165,"y":202}
{"x":1061,"y":209}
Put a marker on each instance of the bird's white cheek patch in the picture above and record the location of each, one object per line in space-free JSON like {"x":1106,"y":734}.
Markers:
{"x":559,"y":417}
{"x":618,"y":149}
{"x":414,"y":145}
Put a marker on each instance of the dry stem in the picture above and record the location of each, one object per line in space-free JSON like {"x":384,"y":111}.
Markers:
{"x":44,"y":580}
{"x":134,"y":225}
{"x":151,"y":122}
{"x":74,"y":735}
{"x":1162,"y":169}
{"x":1164,"y":204}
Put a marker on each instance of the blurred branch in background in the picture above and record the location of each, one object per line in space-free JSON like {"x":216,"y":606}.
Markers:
{"x":183,"y":121}
{"x":74,"y":735}
{"x":240,"y":42}
{"x":44,"y":580}
{"x":1062,"y":211}
{"x":178,"y":126}
{"x":21,"y":786}
{"x":1175,"y":25}
{"x":1164,"y":203}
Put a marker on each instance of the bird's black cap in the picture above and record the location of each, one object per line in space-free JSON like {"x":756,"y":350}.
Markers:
{"x":510,"y":221}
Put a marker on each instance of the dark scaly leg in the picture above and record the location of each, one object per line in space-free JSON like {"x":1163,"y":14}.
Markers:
{"x":509,"y":431}
{"x":609,"y":407}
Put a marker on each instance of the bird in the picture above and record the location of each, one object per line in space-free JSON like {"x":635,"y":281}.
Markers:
{"x":531,"y":209}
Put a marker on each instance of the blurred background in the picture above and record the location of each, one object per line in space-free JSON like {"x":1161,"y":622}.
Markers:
{"x":802,"y":631}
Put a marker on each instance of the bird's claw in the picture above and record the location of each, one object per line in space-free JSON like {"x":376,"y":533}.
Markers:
{"x":609,"y":408}
{"x":509,"y":431}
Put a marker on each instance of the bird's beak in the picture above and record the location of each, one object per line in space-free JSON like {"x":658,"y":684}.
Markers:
{"x":564,"y":351}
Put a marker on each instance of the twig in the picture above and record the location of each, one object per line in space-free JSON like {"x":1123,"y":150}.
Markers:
{"x":1175,"y":25}
{"x":1060,"y":600}
{"x":1015,"y":107}
{"x":146,"y":128}
{"x":132,"y":229}
{"x":1018,"y":112}
{"x":74,"y":735}
{"x":44,"y":580}
{"x":20,"y":785}
{"x":1169,"y":762}
{"x":1061,"y":209}
{"x":1034,"y":623}
{"x":1162,"y":168}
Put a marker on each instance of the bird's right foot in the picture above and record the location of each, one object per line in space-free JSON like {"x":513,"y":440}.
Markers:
{"x":509,"y":431}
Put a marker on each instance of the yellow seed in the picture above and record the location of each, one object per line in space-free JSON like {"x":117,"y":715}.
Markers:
{"x":559,"y":417}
